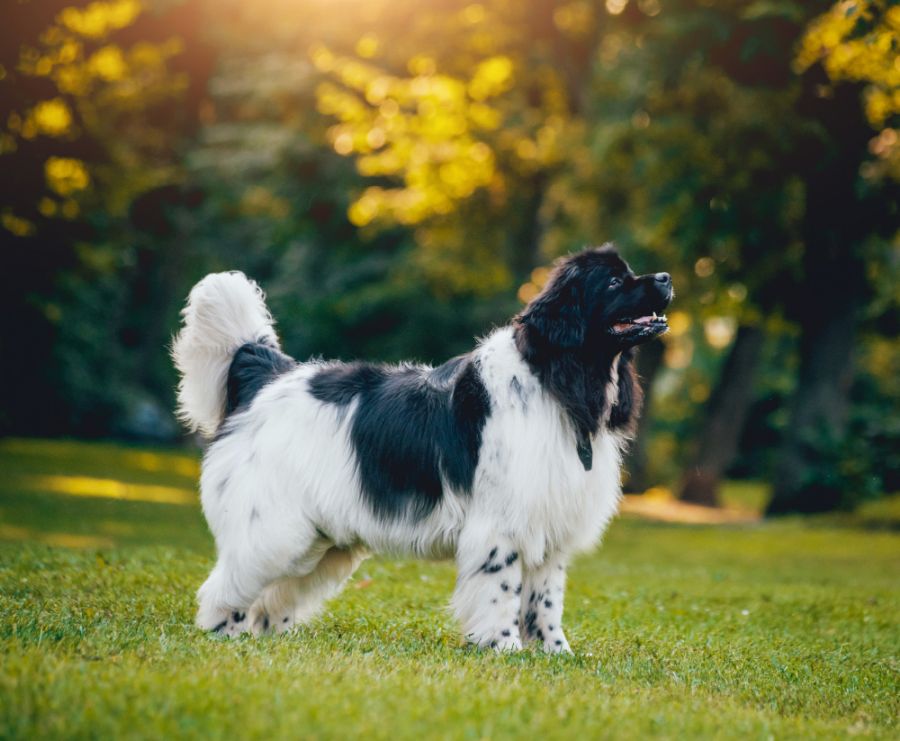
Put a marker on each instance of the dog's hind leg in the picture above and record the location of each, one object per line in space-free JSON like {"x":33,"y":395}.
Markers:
{"x":219,"y":610}
{"x":240,"y":576}
{"x":296,"y":600}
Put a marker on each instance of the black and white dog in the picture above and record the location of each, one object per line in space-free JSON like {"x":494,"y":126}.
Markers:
{"x":506,"y":458}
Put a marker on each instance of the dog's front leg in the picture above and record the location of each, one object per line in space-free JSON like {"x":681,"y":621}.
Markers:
{"x":542,"y":605}
{"x":488,"y":590}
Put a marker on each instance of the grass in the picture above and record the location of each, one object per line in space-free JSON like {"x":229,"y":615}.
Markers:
{"x":781,"y":630}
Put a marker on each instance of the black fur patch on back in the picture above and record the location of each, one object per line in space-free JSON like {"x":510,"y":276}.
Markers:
{"x":254,"y":365}
{"x":412,"y":427}
{"x":340,"y":384}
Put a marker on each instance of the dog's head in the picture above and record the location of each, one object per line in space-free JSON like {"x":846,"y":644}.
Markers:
{"x":594,"y":302}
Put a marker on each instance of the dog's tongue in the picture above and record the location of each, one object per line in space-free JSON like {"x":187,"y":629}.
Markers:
{"x":622,"y":326}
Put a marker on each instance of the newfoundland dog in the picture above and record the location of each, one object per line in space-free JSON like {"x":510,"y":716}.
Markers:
{"x":506,"y":458}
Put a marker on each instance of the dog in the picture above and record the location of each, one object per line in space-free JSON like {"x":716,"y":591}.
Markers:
{"x":506,"y":459}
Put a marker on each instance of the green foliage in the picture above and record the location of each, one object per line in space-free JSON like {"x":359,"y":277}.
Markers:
{"x":783,"y":629}
{"x":399,"y":177}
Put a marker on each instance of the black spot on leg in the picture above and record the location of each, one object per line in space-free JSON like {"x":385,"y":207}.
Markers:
{"x":540,"y":634}
{"x":550,"y":628}
{"x":266,"y":622}
{"x":548,"y":604}
{"x":530,"y":622}
{"x":516,"y":621}
{"x":519,"y":588}
{"x":558,"y":642}
{"x":220,"y":626}
{"x":489,"y":567}
{"x":511,"y":558}
{"x":238,"y":617}
{"x":505,"y":633}
{"x":494,"y":601}
{"x":285,"y":620}
{"x":504,"y":586}
{"x":493,"y":644}
{"x":531,"y":598}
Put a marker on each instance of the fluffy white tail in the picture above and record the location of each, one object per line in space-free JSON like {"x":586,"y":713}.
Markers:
{"x":223,"y":311}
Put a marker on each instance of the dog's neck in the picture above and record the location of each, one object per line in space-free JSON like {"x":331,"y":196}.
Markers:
{"x":588,"y":384}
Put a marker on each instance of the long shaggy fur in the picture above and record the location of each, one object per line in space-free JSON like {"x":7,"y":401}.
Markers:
{"x":506,"y":458}
{"x":223,"y":312}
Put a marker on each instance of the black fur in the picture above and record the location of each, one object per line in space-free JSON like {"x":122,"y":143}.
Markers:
{"x":341,"y":384}
{"x":624,"y":414}
{"x":412,"y":426}
{"x":254,"y":365}
{"x":565,"y":335}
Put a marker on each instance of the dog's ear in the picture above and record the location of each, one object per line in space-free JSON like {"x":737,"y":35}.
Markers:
{"x":630,"y":396}
{"x":557,"y":314}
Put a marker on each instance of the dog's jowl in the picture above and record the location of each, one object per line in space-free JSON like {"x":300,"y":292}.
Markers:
{"x":505,"y":459}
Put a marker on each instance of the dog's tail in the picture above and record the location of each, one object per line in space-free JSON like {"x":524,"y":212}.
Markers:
{"x":223,"y":312}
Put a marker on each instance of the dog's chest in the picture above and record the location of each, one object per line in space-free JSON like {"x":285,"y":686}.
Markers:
{"x":530,"y":470}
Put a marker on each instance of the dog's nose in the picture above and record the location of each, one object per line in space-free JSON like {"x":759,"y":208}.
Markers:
{"x":664,"y":279}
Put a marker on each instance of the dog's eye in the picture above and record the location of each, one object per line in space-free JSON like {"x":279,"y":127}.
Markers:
{"x":615,"y":282}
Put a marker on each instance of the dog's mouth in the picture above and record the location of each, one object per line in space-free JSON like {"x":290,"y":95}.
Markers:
{"x":642,"y":326}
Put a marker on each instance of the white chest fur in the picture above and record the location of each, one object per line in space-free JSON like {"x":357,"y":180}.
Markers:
{"x":529,"y":473}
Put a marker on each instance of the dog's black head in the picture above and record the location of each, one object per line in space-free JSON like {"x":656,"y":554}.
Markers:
{"x":580,"y":332}
{"x":594,"y":302}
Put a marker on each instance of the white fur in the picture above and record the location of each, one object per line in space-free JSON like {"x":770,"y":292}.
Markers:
{"x":223,"y":311}
{"x":282,"y":495}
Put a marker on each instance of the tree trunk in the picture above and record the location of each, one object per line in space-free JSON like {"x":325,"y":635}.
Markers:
{"x":818,"y":414}
{"x":725,"y":415}
{"x":840,"y":216}
{"x":649,"y":363}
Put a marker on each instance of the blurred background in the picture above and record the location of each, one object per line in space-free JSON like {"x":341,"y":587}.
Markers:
{"x":399,"y":176}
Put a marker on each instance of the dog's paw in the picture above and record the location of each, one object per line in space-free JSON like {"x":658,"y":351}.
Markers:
{"x":262,"y":623}
{"x":221,"y":621}
{"x":233,"y":625}
{"x":556,"y":644}
{"x":505,"y":640}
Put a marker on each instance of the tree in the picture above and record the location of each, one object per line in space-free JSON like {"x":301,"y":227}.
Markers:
{"x":735,"y":161}
{"x":91,"y":107}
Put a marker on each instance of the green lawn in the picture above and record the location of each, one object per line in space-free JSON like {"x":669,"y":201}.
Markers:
{"x":775,"y":630}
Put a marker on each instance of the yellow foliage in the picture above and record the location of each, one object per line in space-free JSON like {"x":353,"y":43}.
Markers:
{"x":367,"y":46}
{"x":51,"y":117}
{"x":431,"y":132}
{"x":99,"y":19}
{"x":65,"y":175}
{"x":492,"y":77}
{"x":15,"y":224}
{"x":422,"y":130}
{"x":104,"y":87}
{"x":108,"y":63}
{"x":872,"y":58}
{"x":47,"y":207}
